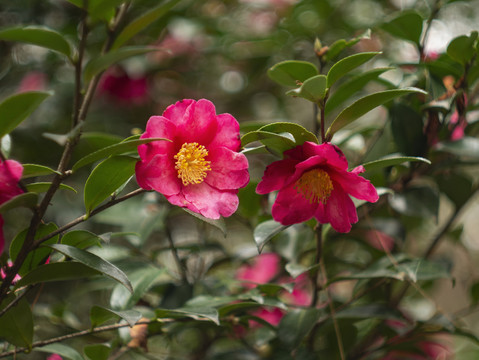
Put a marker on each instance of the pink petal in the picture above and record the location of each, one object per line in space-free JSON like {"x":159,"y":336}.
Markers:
{"x":199,"y":123}
{"x":2,"y":238}
{"x":176,"y":111}
{"x":157,"y":127}
{"x":273,"y":316}
{"x":228,"y":136}
{"x":179,"y":200}
{"x":340,"y":210}
{"x":291,"y":207}
{"x":264,"y":269}
{"x":210,"y":202}
{"x":10,"y":173}
{"x":229,"y":169}
{"x":276,"y":176}
{"x":158,"y":174}
{"x":333,"y":155}
{"x":355,"y":185}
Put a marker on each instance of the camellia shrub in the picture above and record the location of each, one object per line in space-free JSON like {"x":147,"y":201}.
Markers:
{"x":274,"y":179}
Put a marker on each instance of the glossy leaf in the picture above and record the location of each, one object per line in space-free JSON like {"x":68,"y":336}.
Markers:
{"x":16,"y":325}
{"x":28,"y":200}
{"x":339,"y":45}
{"x":38,"y":35}
{"x":95,"y":262}
{"x":103,"y":9}
{"x":299,"y":133}
{"x":66,"y":352}
{"x":391,"y":161}
{"x":277,"y":144}
{"x":292,"y":72}
{"x":265,"y":231}
{"x":59,"y":271}
{"x":366,"y":104}
{"x":38,"y":256}
{"x":16,"y":108}
{"x":81,"y":239}
{"x":462,"y":48}
{"x":345,"y":65}
{"x":99,"y":315}
{"x":103,"y":62}
{"x":406,"y":26}
{"x":105,"y":178}
{"x":33,"y":170}
{"x":120,"y":148}
{"x":141,"y":22}
{"x":467,"y":147}
{"x":313,"y":89}
{"x":97,"y":351}
{"x":407,"y":130}
{"x":296,"y":325}
{"x":217,"y":223}
{"x":193,"y":313}
{"x":41,"y":187}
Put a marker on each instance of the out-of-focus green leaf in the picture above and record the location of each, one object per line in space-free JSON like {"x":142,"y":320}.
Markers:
{"x":456,"y":186}
{"x":217,"y":223}
{"x":105,"y":178}
{"x":462,"y":48}
{"x":28,"y":200}
{"x":115,"y":149}
{"x":265,"y":231}
{"x":348,"y":88}
{"x":406,"y":26}
{"x":99,"y":315}
{"x":391,"y":161}
{"x":474,"y":293}
{"x":345,"y":65}
{"x":339,"y":45}
{"x":41,"y":187}
{"x":141,"y":22}
{"x":299,"y":133}
{"x":292,"y":72}
{"x":32,"y":170}
{"x":407,"y":130}
{"x":38,"y":35}
{"x":97,"y":351}
{"x":370,"y":311}
{"x":193,"y":313}
{"x":16,"y":108}
{"x":277,"y":144}
{"x":103,"y":62}
{"x":313,"y":89}
{"x":59,"y":271}
{"x":37,"y":256}
{"x":63,"y":350}
{"x":81,"y":239}
{"x":296,"y":325}
{"x":16,"y":325}
{"x":103,"y":9}
{"x":366,"y":104}
{"x":95,"y":262}
{"x":416,"y":201}
{"x":467,"y":147}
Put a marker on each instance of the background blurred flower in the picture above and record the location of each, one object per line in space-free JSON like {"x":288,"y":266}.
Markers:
{"x":33,"y":81}
{"x":117,"y":84}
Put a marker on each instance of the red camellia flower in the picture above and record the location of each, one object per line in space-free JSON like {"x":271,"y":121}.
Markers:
{"x":313,"y":181}
{"x":200,"y":168}
{"x":10,"y":173}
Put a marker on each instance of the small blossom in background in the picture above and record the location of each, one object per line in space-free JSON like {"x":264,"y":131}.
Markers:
{"x":54,"y":357}
{"x":33,"y":81}
{"x":10,"y":174}
{"x":117,"y":84}
{"x":458,"y":121}
{"x":200,"y":168}
{"x":313,"y":181}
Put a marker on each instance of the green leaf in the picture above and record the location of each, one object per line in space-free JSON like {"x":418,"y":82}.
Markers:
{"x":364,"y":105}
{"x":339,"y":45}
{"x":407,"y":130}
{"x":391,"y":161}
{"x":97,"y":351}
{"x":105,"y":178}
{"x":28,"y":200}
{"x":292,"y":72}
{"x":120,"y":148}
{"x":16,"y":325}
{"x":370,"y":311}
{"x":193,"y":313}
{"x":16,"y":108}
{"x":277,"y":144}
{"x":265,"y":231}
{"x":141,"y":22}
{"x":296,"y":325}
{"x":416,"y":201}
{"x":59,"y":271}
{"x":313,"y":89}
{"x":462,"y":48}
{"x":347,"y":64}
{"x":99,"y":315}
{"x":103,"y":9}
{"x":103,"y":62}
{"x":219,"y":223}
{"x":299,"y":133}
{"x":467,"y":147}
{"x":41,"y":187}
{"x":95,"y":262}
{"x":456,"y":186}
{"x":38,"y":35}
{"x":38,"y":256}
{"x":406,"y":26}
{"x":64,"y":351}
{"x":81,"y":239}
{"x":348,"y":88}
{"x":33,"y":170}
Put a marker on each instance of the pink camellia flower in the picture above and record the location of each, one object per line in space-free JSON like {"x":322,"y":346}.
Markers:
{"x":200,"y":168}
{"x":33,"y":81}
{"x":10,"y":174}
{"x":54,"y":357}
{"x":313,"y":181}
{"x":120,"y":86}
{"x":264,"y":268}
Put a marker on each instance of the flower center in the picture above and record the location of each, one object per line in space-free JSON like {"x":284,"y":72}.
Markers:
{"x":315,"y":186}
{"x":191,"y":163}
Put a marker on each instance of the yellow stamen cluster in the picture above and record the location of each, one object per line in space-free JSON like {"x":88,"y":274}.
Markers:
{"x":315,"y":186}
{"x":191,"y":164}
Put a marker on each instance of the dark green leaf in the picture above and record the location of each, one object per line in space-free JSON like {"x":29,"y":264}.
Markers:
{"x":299,"y":133}
{"x":16,"y":108}
{"x":277,"y":144}
{"x":347,"y":64}
{"x":103,"y":9}
{"x":474,"y":293}
{"x":416,"y":201}
{"x":32,"y":170}
{"x":38,"y":35}
{"x":193,"y":313}
{"x":456,"y":186}
{"x":366,"y":104}
{"x":16,"y":325}
{"x":105,"y":178}
{"x":313,"y":89}
{"x":28,"y":200}
{"x":60,"y":349}
{"x":95,"y":262}
{"x":406,"y":26}
{"x":407,"y":130}
{"x":292,"y":72}
{"x":141,"y":22}
{"x":391,"y":161}
{"x":296,"y":325}
{"x":41,"y":187}
{"x":99,"y":315}
{"x":217,"y":223}
{"x":120,"y":148}
{"x":81,"y":239}
{"x":97,"y":351}
{"x":265,"y":231}
{"x":58,"y":271}
{"x":371,"y":311}
{"x":467,"y":147}
{"x":462,"y":48}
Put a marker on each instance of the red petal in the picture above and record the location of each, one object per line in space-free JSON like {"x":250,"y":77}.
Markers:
{"x":291,"y":207}
{"x":229,"y":169}
{"x":158,"y":174}
{"x":210,"y":202}
{"x":276,"y":176}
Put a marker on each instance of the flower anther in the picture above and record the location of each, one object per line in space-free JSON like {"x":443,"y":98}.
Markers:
{"x":191,"y":164}
{"x":315,"y":186}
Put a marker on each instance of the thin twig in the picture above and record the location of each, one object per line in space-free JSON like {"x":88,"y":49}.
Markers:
{"x":315,"y":276}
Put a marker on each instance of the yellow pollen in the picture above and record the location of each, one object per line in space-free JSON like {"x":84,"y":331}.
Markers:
{"x":315,"y":186}
{"x":191,"y":164}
